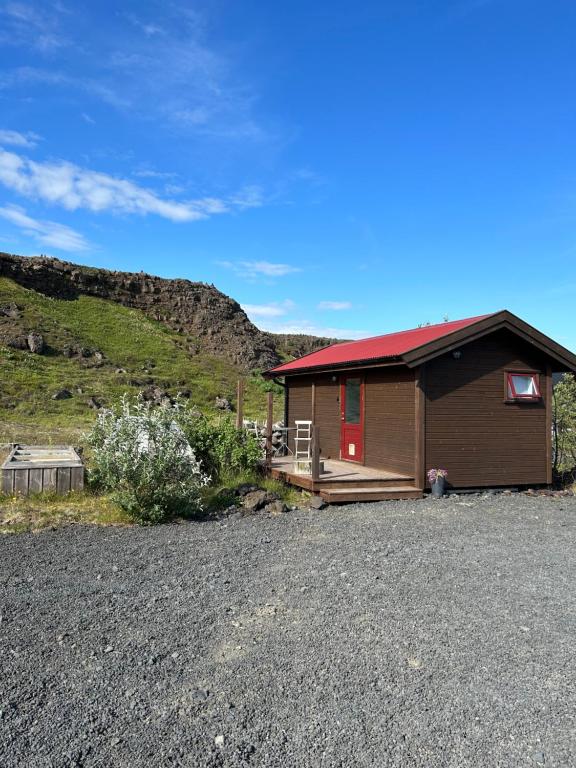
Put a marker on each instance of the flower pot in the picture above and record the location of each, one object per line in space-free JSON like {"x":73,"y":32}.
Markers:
{"x":438,"y":487}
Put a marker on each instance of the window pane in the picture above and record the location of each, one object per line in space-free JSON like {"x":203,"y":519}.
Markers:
{"x":525,"y":385}
{"x":352,"y":415}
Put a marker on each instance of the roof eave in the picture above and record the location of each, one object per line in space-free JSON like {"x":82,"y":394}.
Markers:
{"x":499,"y":320}
{"x":376,"y":362}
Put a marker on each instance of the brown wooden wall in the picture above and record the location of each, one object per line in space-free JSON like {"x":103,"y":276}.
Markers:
{"x":324,"y":393}
{"x":389,"y":426}
{"x":299,"y":394}
{"x":470,"y":430}
{"x":389,"y":415}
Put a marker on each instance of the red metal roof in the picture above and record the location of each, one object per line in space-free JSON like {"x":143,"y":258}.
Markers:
{"x":374,"y":348}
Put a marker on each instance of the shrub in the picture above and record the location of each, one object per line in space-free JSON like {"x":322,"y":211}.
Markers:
{"x":142,"y":457}
{"x":224,"y":451}
{"x":564,"y":424}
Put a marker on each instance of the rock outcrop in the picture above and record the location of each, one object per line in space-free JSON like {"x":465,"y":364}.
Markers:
{"x":213,"y":322}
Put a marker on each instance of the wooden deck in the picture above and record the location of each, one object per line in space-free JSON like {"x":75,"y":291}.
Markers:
{"x":343,"y":481}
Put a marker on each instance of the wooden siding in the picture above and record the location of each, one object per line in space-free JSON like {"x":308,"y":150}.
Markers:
{"x":299,"y":394}
{"x":471,"y":431}
{"x":316,"y":398}
{"x":327,"y":412}
{"x":390,"y":434}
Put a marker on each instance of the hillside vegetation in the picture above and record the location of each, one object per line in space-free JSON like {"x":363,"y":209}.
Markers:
{"x":138,"y":352}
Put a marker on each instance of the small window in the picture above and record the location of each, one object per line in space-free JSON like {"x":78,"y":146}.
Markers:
{"x":523,"y":386}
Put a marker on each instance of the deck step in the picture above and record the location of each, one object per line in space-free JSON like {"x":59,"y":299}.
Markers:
{"x":365,"y":482}
{"x":369,"y":493}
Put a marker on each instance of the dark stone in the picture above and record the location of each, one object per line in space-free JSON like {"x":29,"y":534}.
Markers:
{"x":316,"y":502}
{"x":156,"y":395}
{"x":276,"y":508}
{"x":223,"y":404}
{"x":18,"y":342}
{"x":94,"y":404}
{"x":10,"y":310}
{"x":245,"y":488}
{"x":75,"y":350}
{"x":256,"y":500}
{"x":62,"y":394}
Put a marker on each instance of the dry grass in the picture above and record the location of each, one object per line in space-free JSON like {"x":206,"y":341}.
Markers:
{"x":20,"y":514}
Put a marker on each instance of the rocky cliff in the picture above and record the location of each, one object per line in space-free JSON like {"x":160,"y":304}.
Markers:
{"x":208,"y":320}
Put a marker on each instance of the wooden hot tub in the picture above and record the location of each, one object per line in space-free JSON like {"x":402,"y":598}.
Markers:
{"x":36,"y":468}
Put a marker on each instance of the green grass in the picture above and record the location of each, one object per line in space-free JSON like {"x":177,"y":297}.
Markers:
{"x":146,"y":349}
{"x":29,"y":514}
{"x":128,"y":339}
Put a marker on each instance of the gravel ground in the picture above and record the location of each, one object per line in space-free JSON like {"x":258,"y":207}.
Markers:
{"x":413,"y":633}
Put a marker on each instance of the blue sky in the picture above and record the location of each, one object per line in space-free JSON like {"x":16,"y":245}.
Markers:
{"x":339,"y":168}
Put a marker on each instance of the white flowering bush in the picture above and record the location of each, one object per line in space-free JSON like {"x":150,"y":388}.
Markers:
{"x":141,"y":456}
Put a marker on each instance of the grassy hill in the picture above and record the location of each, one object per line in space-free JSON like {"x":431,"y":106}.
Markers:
{"x":138,"y":352}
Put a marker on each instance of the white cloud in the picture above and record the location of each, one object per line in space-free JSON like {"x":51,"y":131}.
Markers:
{"x":255,"y":269}
{"x":312,"y":329}
{"x":45,"y":232}
{"x":273,"y":309}
{"x":26,"y":76}
{"x":165,"y":69}
{"x":25,"y":24}
{"x":335,"y":305}
{"x":248,"y":197}
{"x":17,"y":139}
{"x":72,"y":187}
{"x":149,"y":173}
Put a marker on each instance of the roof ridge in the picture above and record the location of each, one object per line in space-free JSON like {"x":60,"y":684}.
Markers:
{"x":443,"y":324}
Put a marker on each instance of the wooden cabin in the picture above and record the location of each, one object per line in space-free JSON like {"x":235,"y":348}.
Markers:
{"x":472,"y":396}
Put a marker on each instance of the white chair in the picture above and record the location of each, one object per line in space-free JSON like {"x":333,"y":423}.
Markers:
{"x":303,"y":447}
{"x":251,"y":426}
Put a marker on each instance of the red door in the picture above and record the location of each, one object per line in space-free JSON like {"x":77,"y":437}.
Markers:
{"x":352,"y":418}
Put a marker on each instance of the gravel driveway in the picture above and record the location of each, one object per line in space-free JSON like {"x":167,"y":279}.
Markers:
{"x":413,"y":633}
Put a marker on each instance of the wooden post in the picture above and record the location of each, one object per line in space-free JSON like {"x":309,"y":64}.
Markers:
{"x":315,"y":453}
{"x":239,"y":404}
{"x":269,"y":429}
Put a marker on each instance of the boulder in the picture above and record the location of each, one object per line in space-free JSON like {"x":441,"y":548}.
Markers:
{"x":10,"y":310}
{"x":246,"y":488}
{"x":35,"y":342}
{"x":155,"y":394}
{"x":75,"y":350}
{"x":256,"y":500}
{"x":94,"y":404}
{"x":18,"y":342}
{"x":316,"y":502}
{"x":223,"y":404}
{"x":276,"y":508}
{"x":62,"y":394}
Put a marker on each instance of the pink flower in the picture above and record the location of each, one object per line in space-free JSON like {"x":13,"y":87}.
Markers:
{"x":436,"y":474}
